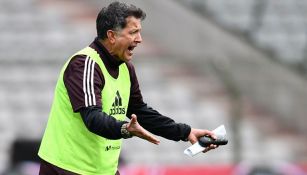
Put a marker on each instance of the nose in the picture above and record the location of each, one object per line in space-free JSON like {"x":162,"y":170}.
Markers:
{"x":138,"y":38}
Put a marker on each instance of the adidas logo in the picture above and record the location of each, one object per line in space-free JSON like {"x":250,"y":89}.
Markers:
{"x":108,"y":148}
{"x":117,"y":105}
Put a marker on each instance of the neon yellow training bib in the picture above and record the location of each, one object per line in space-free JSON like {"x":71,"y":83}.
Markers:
{"x":67,"y":143}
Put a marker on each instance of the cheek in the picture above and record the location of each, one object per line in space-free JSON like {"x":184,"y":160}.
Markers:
{"x":123,"y":43}
{"x":120,"y":46}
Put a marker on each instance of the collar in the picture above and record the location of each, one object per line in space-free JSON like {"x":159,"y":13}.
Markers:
{"x":104,"y":54}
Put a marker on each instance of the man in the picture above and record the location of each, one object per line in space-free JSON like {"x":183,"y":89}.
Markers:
{"x":96,"y":90}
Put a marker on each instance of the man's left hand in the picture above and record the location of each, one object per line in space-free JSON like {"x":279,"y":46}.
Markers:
{"x":195,"y":134}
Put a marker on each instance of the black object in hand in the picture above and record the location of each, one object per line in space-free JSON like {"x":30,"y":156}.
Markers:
{"x":206,"y":141}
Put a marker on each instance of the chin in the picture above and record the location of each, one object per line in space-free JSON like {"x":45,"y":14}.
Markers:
{"x":127,"y":59}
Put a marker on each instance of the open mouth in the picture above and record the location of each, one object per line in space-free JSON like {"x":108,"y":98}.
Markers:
{"x":130,"y":48}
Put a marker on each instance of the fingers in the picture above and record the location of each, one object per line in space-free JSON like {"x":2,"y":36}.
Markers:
{"x":133,"y":118}
{"x":149,"y":137}
{"x":195,"y":134}
{"x":137,"y":130}
{"x":193,"y":139}
{"x":210,"y":133}
{"x":210,"y":148}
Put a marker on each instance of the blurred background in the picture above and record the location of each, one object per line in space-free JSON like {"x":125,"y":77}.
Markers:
{"x":241,"y":63}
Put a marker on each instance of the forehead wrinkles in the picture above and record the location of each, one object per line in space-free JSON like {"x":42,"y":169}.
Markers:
{"x":134,"y":23}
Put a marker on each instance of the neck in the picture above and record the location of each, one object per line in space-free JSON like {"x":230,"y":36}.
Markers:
{"x":109,"y":49}
{"x":108,"y":46}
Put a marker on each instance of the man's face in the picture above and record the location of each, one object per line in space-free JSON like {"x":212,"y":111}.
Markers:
{"x":127,"y":39}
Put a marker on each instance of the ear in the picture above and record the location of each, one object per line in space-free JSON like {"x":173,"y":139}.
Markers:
{"x":111,"y":36}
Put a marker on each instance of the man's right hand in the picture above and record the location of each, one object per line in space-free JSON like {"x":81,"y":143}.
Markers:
{"x":137,"y":130}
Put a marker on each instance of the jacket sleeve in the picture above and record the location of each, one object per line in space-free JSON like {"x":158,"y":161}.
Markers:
{"x":151,"y":119}
{"x":159,"y":124}
{"x":100,"y":123}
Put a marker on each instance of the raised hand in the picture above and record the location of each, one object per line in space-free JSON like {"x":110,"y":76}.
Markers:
{"x":137,"y":130}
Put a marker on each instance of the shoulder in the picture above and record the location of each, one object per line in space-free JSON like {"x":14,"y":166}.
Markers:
{"x":77,"y":61}
{"x":79,"y":64}
{"x":81,"y":61}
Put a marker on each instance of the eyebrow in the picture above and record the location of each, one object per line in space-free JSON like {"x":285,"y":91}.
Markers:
{"x":136,"y":29}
